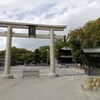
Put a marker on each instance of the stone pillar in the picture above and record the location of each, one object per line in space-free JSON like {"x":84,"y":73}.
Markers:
{"x":8,"y":54}
{"x":52,"y":55}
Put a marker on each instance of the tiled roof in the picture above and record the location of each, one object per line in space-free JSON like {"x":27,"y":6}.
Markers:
{"x":91,"y":50}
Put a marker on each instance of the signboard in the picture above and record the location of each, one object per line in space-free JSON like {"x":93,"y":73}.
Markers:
{"x":32,"y":30}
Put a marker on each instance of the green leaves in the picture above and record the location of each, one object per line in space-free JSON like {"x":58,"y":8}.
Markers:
{"x":20,"y":55}
{"x":36,"y":56}
{"x":45,"y":54}
{"x":88,"y":35}
{"x":92,"y":33}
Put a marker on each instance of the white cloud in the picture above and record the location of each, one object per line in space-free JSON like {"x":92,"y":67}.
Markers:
{"x":73,"y":13}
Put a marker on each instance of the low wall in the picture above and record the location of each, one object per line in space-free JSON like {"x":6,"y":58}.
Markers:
{"x":91,"y":83}
{"x":31,"y":72}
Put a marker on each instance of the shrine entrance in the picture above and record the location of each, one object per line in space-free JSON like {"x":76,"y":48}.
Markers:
{"x":31,"y":34}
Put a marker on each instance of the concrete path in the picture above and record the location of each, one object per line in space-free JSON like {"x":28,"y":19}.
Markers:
{"x":65,"y":87}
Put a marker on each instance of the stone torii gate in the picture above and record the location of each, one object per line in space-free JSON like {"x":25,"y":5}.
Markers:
{"x":32,"y":30}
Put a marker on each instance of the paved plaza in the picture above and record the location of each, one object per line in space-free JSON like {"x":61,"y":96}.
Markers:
{"x":65,"y":87}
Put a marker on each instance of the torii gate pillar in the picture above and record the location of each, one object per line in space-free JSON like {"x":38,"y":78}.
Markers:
{"x":52,"y":55}
{"x":8,"y":54}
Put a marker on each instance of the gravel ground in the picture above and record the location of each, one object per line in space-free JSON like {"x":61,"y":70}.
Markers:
{"x":65,"y":87}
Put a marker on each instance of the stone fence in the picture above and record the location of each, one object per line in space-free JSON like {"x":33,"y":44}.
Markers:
{"x":92,"y":71}
{"x":91,"y":83}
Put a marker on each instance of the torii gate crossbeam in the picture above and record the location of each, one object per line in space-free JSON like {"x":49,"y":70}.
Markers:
{"x":9,"y":34}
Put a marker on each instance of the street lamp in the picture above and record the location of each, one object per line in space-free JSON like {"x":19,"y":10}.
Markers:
{"x":47,"y":56}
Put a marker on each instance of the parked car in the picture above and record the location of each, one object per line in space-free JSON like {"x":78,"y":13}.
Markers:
{"x":63,"y":66}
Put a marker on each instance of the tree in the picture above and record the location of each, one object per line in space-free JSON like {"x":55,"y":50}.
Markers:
{"x":37,"y":56}
{"x":88,"y":36}
{"x":92,"y":33}
{"x":45,"y":54}
{"x":77,"y":34}
{"x":18,"y":55}
{"x":2,"y":53}
{"x":59,"y":43}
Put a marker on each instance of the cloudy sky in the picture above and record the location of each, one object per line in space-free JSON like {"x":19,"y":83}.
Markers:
{"x":73,"y":13}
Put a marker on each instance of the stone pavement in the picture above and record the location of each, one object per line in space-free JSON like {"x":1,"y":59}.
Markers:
{"x":67,"y":87}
